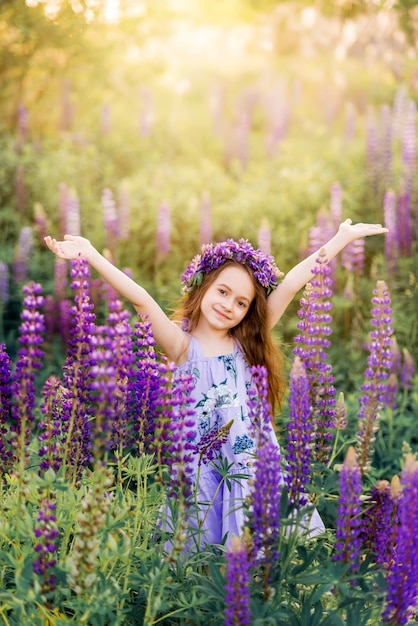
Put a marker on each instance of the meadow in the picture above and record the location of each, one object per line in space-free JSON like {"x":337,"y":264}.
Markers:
{"x":149,"y":158}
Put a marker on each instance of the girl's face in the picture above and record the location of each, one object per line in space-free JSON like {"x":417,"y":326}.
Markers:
{"x":228,"y":298}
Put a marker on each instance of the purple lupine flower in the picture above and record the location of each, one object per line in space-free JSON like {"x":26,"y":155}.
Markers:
{"x":372,"y":151}
{"x":50,"y":427}
{"x":237,"y":591}
{"x":110,"y":221}
{"x":4,"y":285}
{"x":6,"y":454}
{"x":336,"y":204}
{"x":348,"y":524}
{"x":76,"y":367}
{"x":29,"y":361}
{"x":353,"y":258}
{"x":163,"y":230}
{"x":210,"y":444}
{"x":46,"y":535}
{"x":205,"y":219}
{"x":62,"y":209}
{"x":266,"y":487}
{"x":402,"y":576}
{"x":264,"y":237}
{"x":311,"y":347}
{"x":391,"y":239}
{"x":380,"y":521}
{"x":144,"y":386}
{"x":124,"y":213}
{"x":40,"y":220}
{"x":173,"y":435}
{"x":299,"y":435}
{"x":60,"y":279}
{"x":391,"y":392}
{"x":119,"y":329}
{"x":385,"y":147}
{"x":102,"y":387}
{"x":23,"y":253}
{"x":408,"y":369}
{"x":72,"y":213}
{"x":409,"y":144}
{"x":403,"y":217}
{"x":378,"y":366}
{"x":183,"y":433}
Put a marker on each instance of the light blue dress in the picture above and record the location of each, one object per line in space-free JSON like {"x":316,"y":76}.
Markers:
{"x":220,"y":395}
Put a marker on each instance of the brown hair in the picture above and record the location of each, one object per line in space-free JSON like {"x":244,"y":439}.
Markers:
{"x":253,"y":333}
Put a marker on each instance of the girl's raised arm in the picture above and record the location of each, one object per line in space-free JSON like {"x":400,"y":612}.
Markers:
{"x":301,"y":274}
{"x":169,"y":337}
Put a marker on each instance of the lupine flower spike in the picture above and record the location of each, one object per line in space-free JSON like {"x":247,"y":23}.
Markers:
{"x":312,"y":343}
{"x":299,"y":435}
{"x":46,"y":534}
{"x":348,"y":532}
{"x":381,"y":520}
{"x":378,"y":366}
{"x":29,"y":361}
{"x":266,"y":489}
{"x":237,"y":592}
{"x":402,"y":577}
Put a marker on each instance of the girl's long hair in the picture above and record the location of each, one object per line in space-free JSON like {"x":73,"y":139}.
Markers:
{"x":253,"y":333}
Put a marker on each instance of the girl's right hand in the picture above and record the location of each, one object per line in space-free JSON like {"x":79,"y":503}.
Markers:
{"x":71,"y":248}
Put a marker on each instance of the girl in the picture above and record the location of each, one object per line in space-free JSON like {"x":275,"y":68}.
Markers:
{"x":231,"y":301}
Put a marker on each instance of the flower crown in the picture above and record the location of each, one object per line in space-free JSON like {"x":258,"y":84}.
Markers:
{"x":213,"y":255}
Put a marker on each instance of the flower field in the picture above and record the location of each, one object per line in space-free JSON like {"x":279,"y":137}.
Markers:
{"x":100,"y":523}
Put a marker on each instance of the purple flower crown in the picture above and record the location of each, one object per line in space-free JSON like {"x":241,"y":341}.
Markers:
{"x":213,"y":255}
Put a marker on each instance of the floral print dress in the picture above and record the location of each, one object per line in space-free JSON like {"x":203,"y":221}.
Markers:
{"x":220,"y":396}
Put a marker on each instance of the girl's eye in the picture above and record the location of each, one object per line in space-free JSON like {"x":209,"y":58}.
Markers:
{"x":242,"y":304}
{"x":222,"y":291}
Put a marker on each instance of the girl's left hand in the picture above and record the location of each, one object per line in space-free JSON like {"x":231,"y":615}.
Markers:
{"x":356,"y":231}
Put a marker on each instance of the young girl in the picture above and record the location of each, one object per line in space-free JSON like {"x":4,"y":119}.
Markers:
{"x":231,"y":300}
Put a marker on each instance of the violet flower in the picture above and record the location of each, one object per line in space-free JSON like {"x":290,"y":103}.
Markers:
{"x":6,"y":454}
{"x":264,"y":237}
{"x":72,"y":213}
{"x":237,"y":591}
{"x":163,"y":230}
{"x":4,"y":285}
{"x":51,"y":427}
{"x":378,"y":366}
{"x":182,"y":434}
{"x":76,"y":370}
{"x":265,"y":491}
{"x":110,"y":221}
{"x":390,"y":222}
{"x":348,"y":526}
{"x":408,"y":369}
{"x":312,"y":343}
{"x":210,"y":444}
{"x":46,"y":534}
{"x":29,"y":361}
{"x":144,"y":386}
{"x":24,"y":251}
{"x":124,"y":213}
{"x":299,"y":435}
{"x":402,"y":576}
{"x":381,"y":520}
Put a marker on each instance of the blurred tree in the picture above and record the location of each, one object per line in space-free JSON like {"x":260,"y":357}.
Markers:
{"x":34,"y":49}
